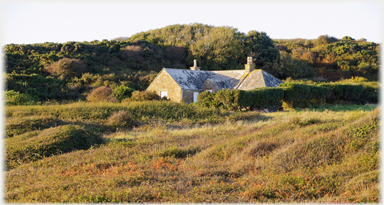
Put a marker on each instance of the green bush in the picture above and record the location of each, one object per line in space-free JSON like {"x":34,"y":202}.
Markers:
{"x":303,"y":95}
{"x":16,"y":98}
{"x":266,"y":97}
{"x":240,"y":99}
{"x":207,"y":99}
{"x":43,"y":88}
{"x":229,"y":99}
{"x":121,"y":92}
{"x":296,"y":94}
{"x":370,"y":93}
{"x":342,"y":92}
{"x":144,"y":96}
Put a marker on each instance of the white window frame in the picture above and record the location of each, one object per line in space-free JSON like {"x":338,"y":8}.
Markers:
{"x":195,"y":98}
{"x":163,"y":94}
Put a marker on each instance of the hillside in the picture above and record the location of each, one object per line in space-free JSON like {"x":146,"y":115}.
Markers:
{"x":184,"y":153}
{"x":70,"y":71}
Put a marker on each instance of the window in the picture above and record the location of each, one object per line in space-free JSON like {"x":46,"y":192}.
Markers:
{"x":195,"y":94}
{"x":163,"y":94}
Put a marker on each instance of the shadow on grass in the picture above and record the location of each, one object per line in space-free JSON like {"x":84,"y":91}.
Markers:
{"x":340,"y":108}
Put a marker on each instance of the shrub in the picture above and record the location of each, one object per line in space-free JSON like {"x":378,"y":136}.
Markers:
{"x":318,"y":95}
{"x":296,"y":94}
{"x":100,"y":94}
{"x":303,"y":95}
{"x":207,"y":99}
{"x":144,"y":96}
{"x":16,"y":98}
{"x":121,"y":92}
{"x":121,"y":118}
{"x":266,"y":97}
{"x":66,"y":68}
{"x":370,"y":93}
{"x":239,"y":99}
{"x":342,"y":92}
{"x":229,"y":99}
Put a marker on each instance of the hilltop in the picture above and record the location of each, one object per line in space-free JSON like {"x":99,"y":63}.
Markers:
{"x":70,"y":71}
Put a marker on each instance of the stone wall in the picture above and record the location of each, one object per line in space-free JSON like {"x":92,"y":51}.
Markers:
{"x":164,"y":82}
{"x":188,"y":95}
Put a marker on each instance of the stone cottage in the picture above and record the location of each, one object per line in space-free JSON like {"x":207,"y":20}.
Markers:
{"x":185,"y":85}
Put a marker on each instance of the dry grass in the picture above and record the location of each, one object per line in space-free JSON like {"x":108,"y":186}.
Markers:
{"x":295,"y":156}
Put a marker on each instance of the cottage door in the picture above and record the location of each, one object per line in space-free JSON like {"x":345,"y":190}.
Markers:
{"x":195,"y":94}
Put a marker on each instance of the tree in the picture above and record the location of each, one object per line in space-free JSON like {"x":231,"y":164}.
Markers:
{"x":294,"y":68}
{"x":259,"y":46}
{"x":66,"y":68}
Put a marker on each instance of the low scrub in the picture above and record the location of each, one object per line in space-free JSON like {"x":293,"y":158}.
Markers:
{"x":101,"y":94}
{"x":16,"y":98}
{"x":144,"y":96}
{"x":121,"y":118}
{"x":52,"y":141}
{"x":15,"y":126}
{"x":296,"y":156}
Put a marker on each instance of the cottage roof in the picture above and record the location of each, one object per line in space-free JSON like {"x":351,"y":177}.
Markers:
{"x":229,"y":79}
{"x":226,"y":79}
{"x":258,"y":78}
{"x":188,"y":79}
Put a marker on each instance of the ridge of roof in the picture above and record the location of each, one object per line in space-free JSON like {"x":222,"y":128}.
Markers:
{"x":230,"y":79}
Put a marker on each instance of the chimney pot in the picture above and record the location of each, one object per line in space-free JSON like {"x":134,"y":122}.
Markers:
{"x":195,"y":65}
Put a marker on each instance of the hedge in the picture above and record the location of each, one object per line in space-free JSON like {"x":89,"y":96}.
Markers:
{"x":303,"y":95}
{"x":266,"y":97}
{"x":240,"y":99}
{"x":291,"y":95}
{"x":343,"y":92}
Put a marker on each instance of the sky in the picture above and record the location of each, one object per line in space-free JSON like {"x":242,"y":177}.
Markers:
{"x":28,"y":22}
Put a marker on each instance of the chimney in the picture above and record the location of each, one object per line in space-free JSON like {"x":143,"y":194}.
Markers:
{"x":195,"y":65}
{"x":249,"y":67}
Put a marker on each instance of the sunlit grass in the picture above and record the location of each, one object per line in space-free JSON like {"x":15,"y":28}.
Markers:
{"x":294,"y":156}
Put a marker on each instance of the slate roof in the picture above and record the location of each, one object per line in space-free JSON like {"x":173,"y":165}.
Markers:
{"x":188,"y":79}
{"x":229,"y":79}
{"x":258,"y":78}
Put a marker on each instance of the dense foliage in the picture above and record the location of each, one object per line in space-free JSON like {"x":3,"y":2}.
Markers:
{"x":291,"y":95}
{"x":70,"y":71}
{"x":332,"y":58}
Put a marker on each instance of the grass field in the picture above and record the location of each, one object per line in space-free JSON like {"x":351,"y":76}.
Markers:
{"x":169,"y":152}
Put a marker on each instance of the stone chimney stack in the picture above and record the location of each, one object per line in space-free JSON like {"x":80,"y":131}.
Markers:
{"x":249,"y":67}
{"x":195,"y":65}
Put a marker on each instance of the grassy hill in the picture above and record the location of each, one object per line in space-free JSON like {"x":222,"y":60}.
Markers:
{"x":169,"y":152}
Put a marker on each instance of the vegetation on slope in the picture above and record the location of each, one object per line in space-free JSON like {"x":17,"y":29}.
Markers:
{"x":70,"y":71}
{"x":324,"y":155}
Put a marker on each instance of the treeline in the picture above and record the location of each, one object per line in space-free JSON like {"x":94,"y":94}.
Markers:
{"x":70,"y":71}
{"x":291,"y":95}
{"x":334,"y":59}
